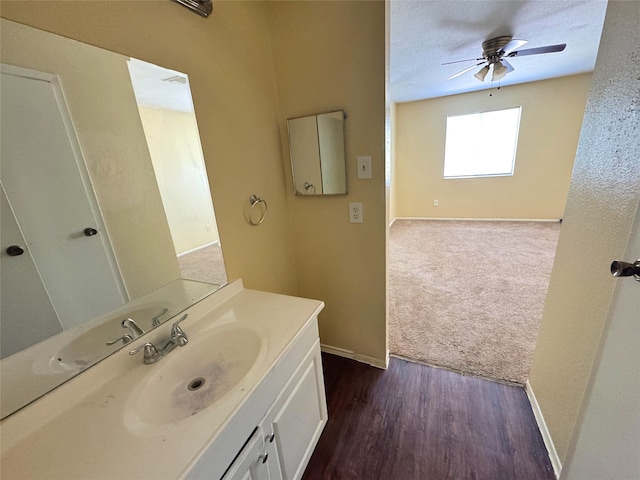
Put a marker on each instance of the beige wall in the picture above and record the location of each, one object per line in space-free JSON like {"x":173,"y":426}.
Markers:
{"x":228,"y":59}
{"x":602,"y":201}
{"x":331,"y":56}
{"x":174,"y":144}
{"x":551,"y":118}
{"x":113,"y":145}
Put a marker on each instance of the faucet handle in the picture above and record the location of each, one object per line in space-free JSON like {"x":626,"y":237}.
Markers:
{"x":126,"y":338}
{"x":150,"y":350}
{"x":175,"y":328}
{"x":155,"y":321}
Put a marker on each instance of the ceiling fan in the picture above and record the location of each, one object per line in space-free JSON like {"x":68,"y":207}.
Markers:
{"x":495,"y":51}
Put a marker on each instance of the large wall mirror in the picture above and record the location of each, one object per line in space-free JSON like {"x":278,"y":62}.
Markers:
{"x":316,"y":144}
{"x":108,"y":228}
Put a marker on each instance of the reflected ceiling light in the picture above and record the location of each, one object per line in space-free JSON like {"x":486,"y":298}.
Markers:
{"x":482,"y":73}
{"x":176,"y":79}
{"x":499,"y":71}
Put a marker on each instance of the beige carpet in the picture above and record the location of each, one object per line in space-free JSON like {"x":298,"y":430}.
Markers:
{"x":467,"y":295}
{"x":204,"y":265}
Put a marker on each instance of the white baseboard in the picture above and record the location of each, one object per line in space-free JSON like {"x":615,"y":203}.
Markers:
{"x":341,"y":352}
{"x":549,"y":220}
{"x":544,"y":431}
{"x":187,"y":252}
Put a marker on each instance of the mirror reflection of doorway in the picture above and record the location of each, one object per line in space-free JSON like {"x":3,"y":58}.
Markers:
{"x":169,"y":122}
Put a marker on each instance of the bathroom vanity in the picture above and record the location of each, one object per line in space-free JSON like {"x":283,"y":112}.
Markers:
{"x":244,"y":398}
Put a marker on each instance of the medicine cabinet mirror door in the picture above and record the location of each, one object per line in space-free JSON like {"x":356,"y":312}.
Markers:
{"x":316,"y":144}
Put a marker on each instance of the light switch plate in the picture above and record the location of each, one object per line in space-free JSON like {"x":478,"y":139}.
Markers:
{"x":364,"y":167}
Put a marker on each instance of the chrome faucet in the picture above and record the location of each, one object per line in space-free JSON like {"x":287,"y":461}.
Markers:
{"x":134,"y":332}
{"x":133,"y":327}
{"x":177,"y":339}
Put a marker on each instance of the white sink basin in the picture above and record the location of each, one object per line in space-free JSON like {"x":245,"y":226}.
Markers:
{"x":194,"y":377}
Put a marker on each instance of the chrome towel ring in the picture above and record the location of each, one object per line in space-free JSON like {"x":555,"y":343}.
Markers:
{"x":263,"y":210}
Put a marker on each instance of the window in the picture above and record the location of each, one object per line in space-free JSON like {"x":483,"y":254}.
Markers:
{"x":481,"y":144}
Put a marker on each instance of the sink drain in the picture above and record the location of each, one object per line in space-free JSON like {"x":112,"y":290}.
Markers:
{"x":196,"y":384}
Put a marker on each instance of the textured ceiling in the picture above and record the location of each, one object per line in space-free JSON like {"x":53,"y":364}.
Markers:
{"x":427,"y":33}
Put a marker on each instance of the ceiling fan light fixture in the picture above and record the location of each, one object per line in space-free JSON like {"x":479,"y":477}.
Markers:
{"x":482,"y":73}
{"x":499,"y":71}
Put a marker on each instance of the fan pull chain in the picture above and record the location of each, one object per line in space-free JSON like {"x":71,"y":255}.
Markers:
{"x":491,"y":91}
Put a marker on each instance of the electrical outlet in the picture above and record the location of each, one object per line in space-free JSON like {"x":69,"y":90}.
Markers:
{"x":355,"y":212}
{"x":436,"y":203}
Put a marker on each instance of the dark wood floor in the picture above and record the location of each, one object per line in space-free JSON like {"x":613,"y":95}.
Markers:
{"x":416,"y":422}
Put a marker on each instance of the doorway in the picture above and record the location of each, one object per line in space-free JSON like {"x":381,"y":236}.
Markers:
{"x":476,"y":251}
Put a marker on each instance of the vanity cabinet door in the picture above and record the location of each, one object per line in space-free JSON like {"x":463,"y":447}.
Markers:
{"x":299,"y":416}
{"x":251,"y":463}
{"x":271,"y":451}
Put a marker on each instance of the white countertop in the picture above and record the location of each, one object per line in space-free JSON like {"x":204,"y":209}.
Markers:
{"x":85,"y":429}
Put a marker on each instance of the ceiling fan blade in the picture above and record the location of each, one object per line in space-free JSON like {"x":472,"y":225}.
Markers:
{"x":514,"y":44}
{"x":461,"y":61}
{"x":464,"y":71}
{"x":535,"y":51}
{"x":508,"y":65}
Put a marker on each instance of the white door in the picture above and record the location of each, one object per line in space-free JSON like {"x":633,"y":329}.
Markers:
{"x":42,"y":174}
{"x":607,"y":446}
{"x":28,"y":317}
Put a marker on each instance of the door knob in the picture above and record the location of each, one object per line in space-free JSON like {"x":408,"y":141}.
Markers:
{"x":14,"y":251}
{"x":624,"y":269}
{"x":90,"y":232}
